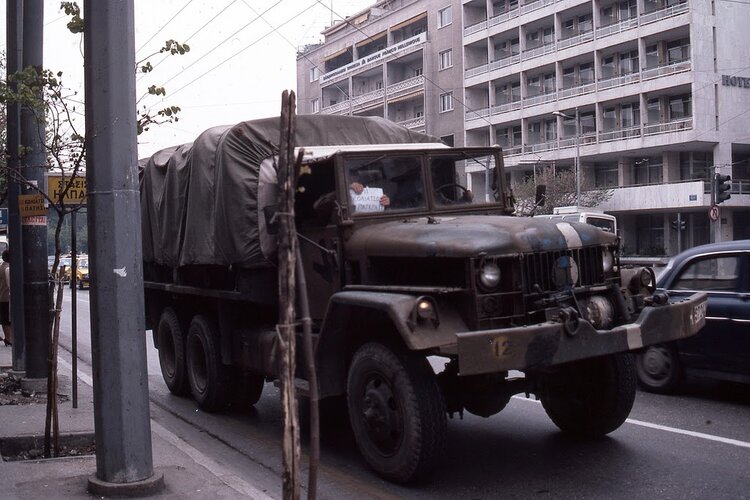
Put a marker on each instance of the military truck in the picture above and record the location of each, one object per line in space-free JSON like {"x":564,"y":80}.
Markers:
{"x":408,"y":267}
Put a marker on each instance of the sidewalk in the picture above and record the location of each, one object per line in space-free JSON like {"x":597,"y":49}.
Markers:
{"x":188,"y":473}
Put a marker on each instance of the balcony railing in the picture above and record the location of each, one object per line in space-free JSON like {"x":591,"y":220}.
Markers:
{"x":578,"y":90}
{"x":538,"y":51}
{"x":618,"y":81}
{"x":504,"y":16}
{"x":364,"y":99}
{"x":534,"y":5}
{"x":672,"y":126}
{"x":413,"y":122}
{"x":620,"y":133}
{"x":613,"y":28}
{"x":670,"y":11}
{"x":473,"y":28}
{"x":539,"y":99}
{"x":476,"y":114}
{"x":505,"y":107}
{"x":666,"y":69}
{"x":335,"y":108}
{"x":575,"y":40}
{"x":405,"y":86}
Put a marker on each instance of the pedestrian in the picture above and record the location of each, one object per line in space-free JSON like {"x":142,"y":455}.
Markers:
{"x":5,"y":298}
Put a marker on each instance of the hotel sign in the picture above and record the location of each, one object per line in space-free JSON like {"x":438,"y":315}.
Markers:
{"x":374,"y":57}
{"x":735,"y":81}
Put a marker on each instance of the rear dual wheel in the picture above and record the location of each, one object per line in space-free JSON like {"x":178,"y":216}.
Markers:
{"x":171,"y":341}
{"x":208,"y":376}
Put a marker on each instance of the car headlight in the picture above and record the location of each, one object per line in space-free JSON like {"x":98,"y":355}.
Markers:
{"x":489,"y":275}
{"x":608,"y":260}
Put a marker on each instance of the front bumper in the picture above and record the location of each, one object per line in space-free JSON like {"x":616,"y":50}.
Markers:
{"x":548,"y":344}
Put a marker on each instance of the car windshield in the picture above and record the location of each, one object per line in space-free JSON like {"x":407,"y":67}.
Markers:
{"x":394,"y":183}
{"x":83,"y":263}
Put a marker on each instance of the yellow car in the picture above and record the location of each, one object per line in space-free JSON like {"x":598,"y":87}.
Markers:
{"x":82,"y":273}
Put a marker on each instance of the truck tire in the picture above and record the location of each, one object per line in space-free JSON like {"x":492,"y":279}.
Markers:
{"x":592,"y":397}
{"x":171,"y":341}
{"x":248,"y":390}
{"x":396,"y":411}
{"x":659,"y":369}
{"x":209,"y":380}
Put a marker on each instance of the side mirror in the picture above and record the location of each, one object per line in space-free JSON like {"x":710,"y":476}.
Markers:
{"x":539,"y":199}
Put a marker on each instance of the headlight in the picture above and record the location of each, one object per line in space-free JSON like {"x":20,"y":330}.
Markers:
{"x":489,"y":275}
{"x":608,"y":260}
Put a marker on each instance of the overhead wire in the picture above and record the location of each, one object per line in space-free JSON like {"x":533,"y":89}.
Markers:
{"x":191,"y":36}
{"x":164,"y":26}
{"x":216,"y":47}
{"x":243,"y":49}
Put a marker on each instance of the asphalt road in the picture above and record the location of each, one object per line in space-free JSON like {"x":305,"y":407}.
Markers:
{"x":695,"y":445}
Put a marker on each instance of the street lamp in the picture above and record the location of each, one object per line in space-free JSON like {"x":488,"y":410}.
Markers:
{"x":578,"y":150}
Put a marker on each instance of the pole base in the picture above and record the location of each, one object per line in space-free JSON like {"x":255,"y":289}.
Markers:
{"x":34,"y":385}
{"x":143,"y":488}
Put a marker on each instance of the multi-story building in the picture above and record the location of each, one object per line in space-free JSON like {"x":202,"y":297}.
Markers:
{"x":660,"y":89}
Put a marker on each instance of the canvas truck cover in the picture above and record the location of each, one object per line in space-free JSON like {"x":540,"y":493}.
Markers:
{"x":202,"y":203}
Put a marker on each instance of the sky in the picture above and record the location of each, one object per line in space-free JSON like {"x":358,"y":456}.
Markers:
{"x":242,"y":56}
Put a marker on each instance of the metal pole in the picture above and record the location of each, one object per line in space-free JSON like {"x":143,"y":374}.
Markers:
{"x":679,"y":232}
{"x":578,"y":159}
{"x":74,"y":309}
{"x":14,"y":42}
{"x":34,"y":229}
{"x":124,"y":461}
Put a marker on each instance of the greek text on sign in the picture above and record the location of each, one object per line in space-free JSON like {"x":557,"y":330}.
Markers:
{"x":76,"y":193}
{"x":368,"y":200}
{"x":31,"y":204}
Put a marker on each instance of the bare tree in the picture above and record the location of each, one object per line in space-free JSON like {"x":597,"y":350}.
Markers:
{"x":560,"y":191}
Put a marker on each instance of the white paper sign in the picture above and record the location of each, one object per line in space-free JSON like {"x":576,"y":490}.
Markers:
{"x":368,"y":200}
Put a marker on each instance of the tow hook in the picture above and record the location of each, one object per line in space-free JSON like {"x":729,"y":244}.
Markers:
{"x":570,"y":321}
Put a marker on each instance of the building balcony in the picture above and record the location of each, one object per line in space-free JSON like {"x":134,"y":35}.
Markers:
{"x":661,"y":196}
{"x":584,"y":37}
{"x":507,"y":15}
{"x":367,"y":100}
{"x":586,"y":88}
{"x":618,"y":81}
{"x":673,"y":10}
{"x":669,"y":68}
{"x":336,"y":109}
{"x":539,"y":99}
{"x":538,"y":51}
{"x":671,"y":126}
{"x":614,"y":28}
{"x":405,"y":87}
{"x":413,"y":123}
{"x":605,"y":136}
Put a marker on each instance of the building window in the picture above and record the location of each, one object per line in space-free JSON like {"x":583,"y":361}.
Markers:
{"x":446,"y":59}
{"x":630,"y":115}
{"x":649,"y":235}
{"x":448,"y":140}
{"x":680,"y":107}
{"x":417,"y":72}
{"x":446,"y":102}
{"x":648,"y":171}
{"x":605,"y":175}
{"x":418,"y":111}
{"x":314,"y":74}
{"x":629,"y":62}
{"x":445,"y":17}
{"x":695,"y":165}
{"x":678,"y":50}
{"x":315,"y":106}
{"x":653,"y":110}
{"x":378,"y":85}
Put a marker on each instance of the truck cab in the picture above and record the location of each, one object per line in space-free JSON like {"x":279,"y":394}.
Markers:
{"x":605,"y":222}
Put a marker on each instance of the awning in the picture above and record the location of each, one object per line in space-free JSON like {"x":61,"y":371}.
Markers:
{"x":414,"y":19}
{"x":336,"y":54}
{"x":370,"y":39}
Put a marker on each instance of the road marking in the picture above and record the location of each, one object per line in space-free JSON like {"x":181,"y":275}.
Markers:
{"x":665,"y":428}
{"x":234,"y":482}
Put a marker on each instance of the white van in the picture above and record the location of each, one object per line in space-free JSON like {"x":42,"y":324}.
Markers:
{"x":603,"y":221}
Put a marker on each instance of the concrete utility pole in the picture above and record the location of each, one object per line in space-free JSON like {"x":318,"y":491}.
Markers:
{"x":124,"y":463}
{"x":34,"y":228}
{"x":14,"y":43}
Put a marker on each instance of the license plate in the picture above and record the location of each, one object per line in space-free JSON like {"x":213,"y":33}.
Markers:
{"x":699,"y":313}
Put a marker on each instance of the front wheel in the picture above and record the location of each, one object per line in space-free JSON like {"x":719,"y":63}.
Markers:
{"x":396,"y":411}
{"x":659,"y":369}
{"x":592,"y":397}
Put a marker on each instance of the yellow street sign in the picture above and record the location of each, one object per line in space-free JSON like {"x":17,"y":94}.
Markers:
{"x":76,"y":193}
{"x":31,"y":204}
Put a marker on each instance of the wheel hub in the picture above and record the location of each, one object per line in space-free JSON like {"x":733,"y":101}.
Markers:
{"x":657,"y":363}
{"x":381,"y":415}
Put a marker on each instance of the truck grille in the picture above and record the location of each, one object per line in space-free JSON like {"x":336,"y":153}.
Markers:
{"x":561,"y":269}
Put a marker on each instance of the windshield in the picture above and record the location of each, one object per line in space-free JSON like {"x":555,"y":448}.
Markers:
{"x":602,"y":223}
{"x":394,"y":183}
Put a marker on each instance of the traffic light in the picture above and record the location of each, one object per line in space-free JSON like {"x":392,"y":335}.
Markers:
{"x":679,"y":225}
{"x":722,"y":185}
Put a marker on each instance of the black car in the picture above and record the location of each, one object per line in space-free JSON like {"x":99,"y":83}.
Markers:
{"x":722,"y":348}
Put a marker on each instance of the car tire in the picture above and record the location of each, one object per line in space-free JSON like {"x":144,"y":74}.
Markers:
{"x":593,"y":397}
{"x":659,"y":369}
{"x":171,"y":342}
{"x":208,"y":377}
{"x":396,"y":411}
